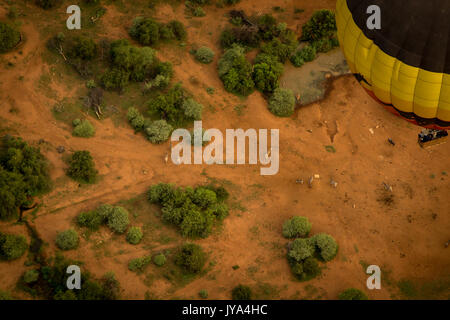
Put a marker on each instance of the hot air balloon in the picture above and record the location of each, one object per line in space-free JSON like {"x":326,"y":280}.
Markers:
{"x":405,"y":64}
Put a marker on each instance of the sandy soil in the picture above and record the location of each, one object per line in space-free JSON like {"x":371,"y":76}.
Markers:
{"x":405,"y":238}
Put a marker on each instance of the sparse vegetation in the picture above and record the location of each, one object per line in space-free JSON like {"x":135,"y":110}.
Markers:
{"x":241,"y":292}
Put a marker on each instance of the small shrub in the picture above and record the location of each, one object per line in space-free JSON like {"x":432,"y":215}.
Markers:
{"x":204,"y":55}
{"x":203,"y":294}
{"x":5,"y":295}
{"x":159,"y":131}
{"x":159,"y":259}
{"x":282,"y":102}
{"x":67,"y":240}
{"x":296,"y":227}
{"x":136,"y":119}
{"x":279,"y":49}
{"x":90,"y":84}
{"x":326,"y":246}
{"x":31,"y":276}
{"x":236,"y":72}
{"x":91,"y":219}
{"x":178,"y":29}
{"x":134,"y":235}
{"x":84,"y":129}
{"x":138,"y":264}
{"x":308,"y":53}
{"x":115,"y":78}
{"x":191,"y":258}
{"x":199,"y":12}
{"x":145,"y":30}
{"x":241,"y":292}
{"x":301,"y":249}
{"x":192,"y":109}
{"x":82,"y":167}
{"x":9,"y":37}
{"x":12,"y":246}
{"x":266,"y":72}
{"x":352,"y":294}
{"x":83,"y":48}
{"x":321,"y":25}
{"x":118,"y":220}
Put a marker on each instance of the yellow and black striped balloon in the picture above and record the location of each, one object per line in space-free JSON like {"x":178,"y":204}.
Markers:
{"x":406,"y":63}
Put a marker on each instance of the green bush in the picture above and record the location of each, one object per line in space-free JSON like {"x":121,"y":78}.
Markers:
{"x":31,"y":276}
{"x":230,"y":2}
{"x":203,"y":294}
{"x":267,"y":70}
{"x":145,"y":30}
{"x":192,"y":109}
{"x":204,"y":55}
{"x":12,"y":246}
{"x":178,"y":29}
{"x":83,"y":48}
{"x":84,"y":129}
{"x":82,"y":167}
{"x":352,"y":294}
{"x":296,"y":227}
{"x":325,"y":245}
{"x":9,"y":37}
{"x":198,"y":12}
{"x":282,"y":102}
{"x":236,"y":72}
{"x":118,"y":220}
{"x":134,"y":235}
{"x":308,"y":53}
{"x":23,"y":174}
{"x":90,"y":84}
{"x":65,"y":295}
{"x":115,"y":78}
{"x":321,"y":25}
{"x":5,"y":295}
{"x":301,"y":249}
{"x":191,"y":258}
{"x":67,"y":240}
{"x":241,"y":292}
{"x":159,"y":259}
{"x":268,"y":26}
{"x":279,"y":49}
{"x":159,"y":131}
{"x":138,"y":264}
{"x":136,"y":119}
{"x":91,"y":219}
{"x":47,"y":4}
{"x":323,"y":45}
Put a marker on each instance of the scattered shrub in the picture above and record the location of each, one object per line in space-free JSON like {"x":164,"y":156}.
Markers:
{"x":9,"y":37}
{"x":192,"y":109}
{"x":83,"y":129}
{"x":159,"y":131}
{"x":82,"y":167}
{"x":178,"y":29}
{"x":241,"y":292}
{"x":236,"y":72}
{"x":326,"y":246}
{"x":118,"y":220}
{"x":12,"y":246}
{"x":47,"y":4}
{"x":90,"y":84}
{"x":83,"y":48}
{"x":301,"y":249}
{"x":266,"y":72}
{"x":198,"y":12}
{"x":279,"y":49}
{"x":204,"y":55}
{"x":138,"y":264}
{"x":352,"y":294}
{"x":31,"y":276}
{"x":282,"y":102}
{"x":136,"y":119}
{"x":308,"y":53}
{"x":159,"y":259}
{"x":321,"y":25}
{"x":91,"y":219}
{"x":296,"y":227}
{"x":134,"y":235}
{"x":67,"y":240}
{"x":203,"y":294}
{"x":190,"y":258}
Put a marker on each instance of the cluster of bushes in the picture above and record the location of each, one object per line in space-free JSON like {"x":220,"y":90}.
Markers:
{"x":49,"y":282}
{"x":67,"y":240}
{"x":320,"y":34}
{"x":175,"y":106}
{"x":9,"y":37}
{"x":194,"y":211}
{"x":23,"y":174}
{"x":304,"y":254}
{"x":83,"y":128}
{"x":116,"y":218}
{"x":149,"y":32}
{"x":236,"y":72}
{"x":12,"y":246}
{"x":352,"y":294}
{"x":190,"y":258}
{"x":82,"y":167}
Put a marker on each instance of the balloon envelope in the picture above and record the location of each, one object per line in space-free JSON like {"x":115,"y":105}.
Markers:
{"x":406,"y":63}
